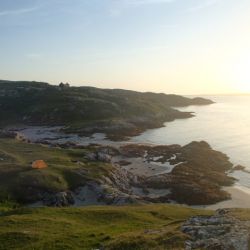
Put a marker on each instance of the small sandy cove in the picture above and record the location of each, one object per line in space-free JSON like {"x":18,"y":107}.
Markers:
{"x":240,"y":199}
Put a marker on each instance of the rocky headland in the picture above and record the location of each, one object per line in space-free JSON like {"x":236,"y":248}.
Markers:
{"x":118,"y":113}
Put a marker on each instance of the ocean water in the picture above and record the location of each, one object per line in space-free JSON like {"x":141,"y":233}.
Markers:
{"x":225,"y":125}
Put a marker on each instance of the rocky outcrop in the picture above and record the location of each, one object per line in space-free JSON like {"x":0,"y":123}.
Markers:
{"x":217,"y":232}
{"x":112,"y":189}
{"x":198,"y":175}
{"x":103,"y":154}
{"x":97,"y":156}
{"x":7,"y":134}
{"x":240,"y":168}
{"x":117,"y":187}
{"x":197,"y":178}
{"x":61,"y":199}
{"x":163,"y":152}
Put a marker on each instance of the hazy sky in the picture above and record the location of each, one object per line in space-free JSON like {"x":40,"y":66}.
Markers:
{"x":172,"y":46}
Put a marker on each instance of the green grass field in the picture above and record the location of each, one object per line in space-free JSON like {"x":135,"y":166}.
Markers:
{"x":21,"y":183}
{"x":118,"y":228}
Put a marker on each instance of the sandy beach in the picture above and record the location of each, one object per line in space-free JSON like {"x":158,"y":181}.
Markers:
{"x":240,"y":199}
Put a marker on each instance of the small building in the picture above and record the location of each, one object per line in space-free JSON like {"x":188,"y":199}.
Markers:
{"x":63,"y":86}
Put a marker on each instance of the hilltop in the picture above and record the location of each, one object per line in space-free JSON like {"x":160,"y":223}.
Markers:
{"x":86,"y":110}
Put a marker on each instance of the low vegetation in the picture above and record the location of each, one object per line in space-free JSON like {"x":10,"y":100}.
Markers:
{"x":240,"y":213}
{"x":123,"y":228}
{"x":20,"y":182}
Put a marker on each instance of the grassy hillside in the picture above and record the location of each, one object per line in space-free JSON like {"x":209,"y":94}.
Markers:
{"x":19,"y":182}
{"x":123,"y":228}
{"x":98,"y":109}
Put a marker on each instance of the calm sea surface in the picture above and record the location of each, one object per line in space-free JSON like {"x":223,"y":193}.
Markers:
{"x":225,"y":125}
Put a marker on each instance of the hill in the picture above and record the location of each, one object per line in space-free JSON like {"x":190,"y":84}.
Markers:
{"x":87,"y":110}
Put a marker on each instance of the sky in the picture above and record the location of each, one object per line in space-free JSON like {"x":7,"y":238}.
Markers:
{"x":170,"y":46}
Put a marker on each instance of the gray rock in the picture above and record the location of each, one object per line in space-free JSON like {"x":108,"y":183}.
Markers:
{"x":217,"y":232}
{"x":104,"y":157}
{"x":99,"y":156}
{"x":91,"y":156}
{"x":61,"y":199}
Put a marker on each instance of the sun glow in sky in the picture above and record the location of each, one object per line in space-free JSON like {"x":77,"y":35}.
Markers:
{"x":172,"y":46}
{"x":241,"y":73}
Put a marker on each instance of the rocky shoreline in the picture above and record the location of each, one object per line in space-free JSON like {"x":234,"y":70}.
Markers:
{"x":194,"y":174}
{"x":123,"y":129}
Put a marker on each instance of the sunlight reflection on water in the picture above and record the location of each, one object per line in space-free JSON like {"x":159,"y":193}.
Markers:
{"x":225,"y":125}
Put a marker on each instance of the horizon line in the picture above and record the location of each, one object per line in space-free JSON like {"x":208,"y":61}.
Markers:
{"x":157,"y":92}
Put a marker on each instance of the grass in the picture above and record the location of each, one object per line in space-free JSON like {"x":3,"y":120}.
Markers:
{"x":126,"y":227}
{"x":240,"y":213}
{"x":18,"y":181}
{"x":7,"y":205}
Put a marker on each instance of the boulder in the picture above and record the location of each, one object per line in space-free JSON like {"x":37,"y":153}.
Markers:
{"x":91,"y":156}
{"x":104,"y":157}
{"x":61,"y":199}
{"x":99,"y":156}
{"x":216,"y":232}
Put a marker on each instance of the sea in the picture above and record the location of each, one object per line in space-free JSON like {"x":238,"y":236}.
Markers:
{"x":225,"y":125}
